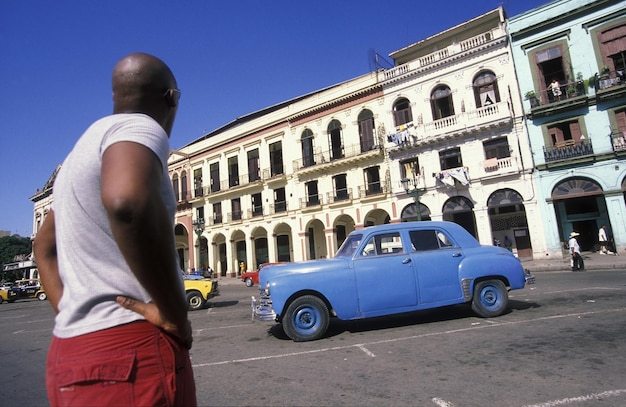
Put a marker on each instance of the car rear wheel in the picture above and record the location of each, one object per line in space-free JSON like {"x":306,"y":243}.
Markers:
{"x":306,"y":319}
{"x":249,"y":282}
{"x":195,"y":300}
{"x":42,"y":296}
{"x":490,"y":298}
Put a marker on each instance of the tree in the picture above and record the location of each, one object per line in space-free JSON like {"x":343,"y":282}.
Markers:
{"x":11,"y":246}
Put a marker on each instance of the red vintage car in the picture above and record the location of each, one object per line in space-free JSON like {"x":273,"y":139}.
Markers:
{"x":252,"y":277}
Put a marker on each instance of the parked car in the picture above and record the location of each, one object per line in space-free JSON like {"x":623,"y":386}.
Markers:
{"x":199,"y":291}
{"x":251,"y":278}
{"x":389,"y":269}
{"x":23,"y":289}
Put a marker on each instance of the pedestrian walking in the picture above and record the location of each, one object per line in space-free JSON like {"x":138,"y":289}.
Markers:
{"x":107,"y":256}
{"x":574,"y":248}
{"x":602,"y":239}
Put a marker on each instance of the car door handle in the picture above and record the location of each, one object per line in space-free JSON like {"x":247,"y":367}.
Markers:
{"x":457,"y":254}
{"x":406,"y":261}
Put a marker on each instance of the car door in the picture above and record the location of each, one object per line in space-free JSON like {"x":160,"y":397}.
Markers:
{"x":384,"y":274}
{"x":436,"y":258}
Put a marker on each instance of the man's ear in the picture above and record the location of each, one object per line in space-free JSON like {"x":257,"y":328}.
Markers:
{"x":170,"y":98}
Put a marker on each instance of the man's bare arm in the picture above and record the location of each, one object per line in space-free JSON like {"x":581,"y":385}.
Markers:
{"x":45,"y":249}
{"x":131,"y":183}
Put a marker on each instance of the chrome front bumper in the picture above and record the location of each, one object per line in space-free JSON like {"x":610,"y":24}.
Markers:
{"x":530,"y":279}
{"x":262,"y":310}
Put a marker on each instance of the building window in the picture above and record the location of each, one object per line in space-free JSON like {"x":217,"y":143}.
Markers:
{"x":486,"y":89}
{"x":200,"y":214}
{"x":175,"y":187}
{"x":214,"y":169}
{"x":613,"y":48}
{"x":233,"y":172}
{"x":236,"y":208}
{"x":441,"y":102}
{"x":334,"y":140}
{"x":498,"y":148}
{"x":197,"y":182}
{"x":308,"y":153}
{"x":312,"y":195}
{"x":372,"y":180}
{"x":257,"y":205}
{"x":450,"y":158}
{"x":366,"y":130}
{"x":551,"y":73}
{"x":217,"y":213}
{"x":276,"y":158}
{"x":280,"y":201}
{"x":402,"y":112}
{"x":410,"y":168}
{"x":183,"y":185}
{"x":253,"y":165}
{"x":564,"y":134}
{"x":341,"y":187}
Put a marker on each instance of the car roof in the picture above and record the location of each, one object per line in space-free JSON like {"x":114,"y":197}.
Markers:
{"x":460,"y":234}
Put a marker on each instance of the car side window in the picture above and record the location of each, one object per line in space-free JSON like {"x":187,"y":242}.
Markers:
{"x":383,"y":244}
{"x":422,"y":240}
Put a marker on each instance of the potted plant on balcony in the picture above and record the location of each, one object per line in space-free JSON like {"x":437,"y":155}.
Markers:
{"x":531,"y":96}
{"x":605,"y":70}
{"x":571,"y":90}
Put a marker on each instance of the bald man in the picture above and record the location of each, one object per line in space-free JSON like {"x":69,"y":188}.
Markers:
{"x":106,"y":255}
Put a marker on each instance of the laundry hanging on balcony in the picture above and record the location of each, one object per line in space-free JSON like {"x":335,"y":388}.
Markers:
{"x":448,"y":177}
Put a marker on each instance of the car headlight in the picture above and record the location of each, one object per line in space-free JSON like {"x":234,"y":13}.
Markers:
{"x":266,"y":290}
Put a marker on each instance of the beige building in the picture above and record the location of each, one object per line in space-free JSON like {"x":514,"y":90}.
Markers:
{"x":442,"y":130}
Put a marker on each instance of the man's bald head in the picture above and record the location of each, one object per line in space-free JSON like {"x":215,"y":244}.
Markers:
{"x":140,"y":82}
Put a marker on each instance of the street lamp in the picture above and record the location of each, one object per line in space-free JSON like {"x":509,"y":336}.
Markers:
{"x":411,"y":188}
{"x":198,"y":227}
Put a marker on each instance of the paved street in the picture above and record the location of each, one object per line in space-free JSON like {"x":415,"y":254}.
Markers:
{"x":562,"y":343}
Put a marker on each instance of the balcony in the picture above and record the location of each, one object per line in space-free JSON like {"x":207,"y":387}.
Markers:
{"x":548,"y":102}
{"x":470,"y":122}
{"x":611,"y":85}
{"x":618,"y":141}
{"x":500,"y":166}
{"x":340,"y":196}
{"x":322,"y":160}
{"x":311,"y":202}
{"x":453,"y":51}
{"x":373,"y":190}
{"x":566,"y":150}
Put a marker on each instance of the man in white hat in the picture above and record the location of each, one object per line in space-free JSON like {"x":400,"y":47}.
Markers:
{"x":574,"y":249}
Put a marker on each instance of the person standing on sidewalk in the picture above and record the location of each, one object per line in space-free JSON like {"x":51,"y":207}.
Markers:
{"x":574,"y":249}
{"x":602,"y":239}
{"x":107,"y":257}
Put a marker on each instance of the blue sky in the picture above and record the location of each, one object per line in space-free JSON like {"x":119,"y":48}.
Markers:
{"x":230,"y":59}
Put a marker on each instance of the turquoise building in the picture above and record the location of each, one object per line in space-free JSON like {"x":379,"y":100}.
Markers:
{"x":569,"y":57}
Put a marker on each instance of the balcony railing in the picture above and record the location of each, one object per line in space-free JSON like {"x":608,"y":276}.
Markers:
{"x":610,"y":79}
{"x":311,"y":201}
{"x":373,"y":189}
{"x":564,"y":92}
{"x":567,"y":149}
{"x":340,"y":195}
{"x":618,"y":139}
{"x":441,"y":55}
{"x":325,"y":157}
{"x":430,"y":131}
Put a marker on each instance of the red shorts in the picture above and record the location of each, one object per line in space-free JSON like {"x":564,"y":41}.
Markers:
{"x":130,"y":365}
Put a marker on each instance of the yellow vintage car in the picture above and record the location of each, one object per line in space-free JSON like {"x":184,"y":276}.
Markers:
{"x":23,"y":289}
{"x":199,"y":291}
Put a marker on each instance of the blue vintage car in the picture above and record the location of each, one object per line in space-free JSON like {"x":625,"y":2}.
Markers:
{"x":389,"y":269}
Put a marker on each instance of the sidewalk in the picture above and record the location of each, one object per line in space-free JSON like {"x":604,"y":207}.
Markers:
{"x":593,"y":261}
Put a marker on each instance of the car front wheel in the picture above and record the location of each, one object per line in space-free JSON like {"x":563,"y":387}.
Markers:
{"x":490,"y":298}
{"x":306,"y":319}
{"x":195,"y":300}
{"x":249,"y":282}
{"x":42,"y":296}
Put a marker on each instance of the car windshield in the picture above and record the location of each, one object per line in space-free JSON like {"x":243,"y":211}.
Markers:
{"x":348,"y":247}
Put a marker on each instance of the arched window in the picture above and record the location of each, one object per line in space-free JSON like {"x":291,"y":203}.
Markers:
{"x":441,"y":102}
{"x":175,"y":186}
{"x":366,"y":130}
{"x":183,"y":185}
{"x":334,"y":140}
{"x":308,"y":154}
{"x":485,"y":87}
{"x":402,"y":112}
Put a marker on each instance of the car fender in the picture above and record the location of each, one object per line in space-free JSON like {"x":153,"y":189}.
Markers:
{"x":498,"y":264}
